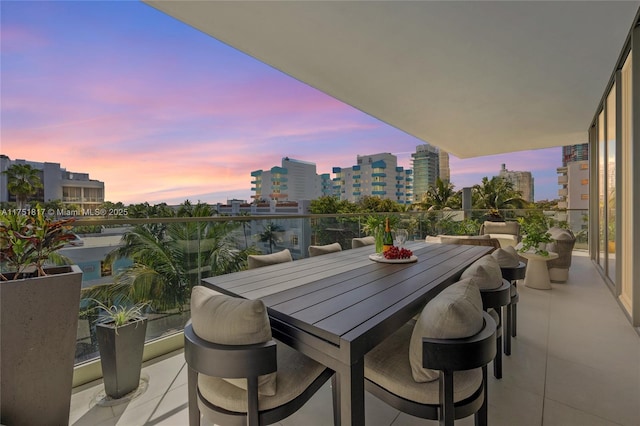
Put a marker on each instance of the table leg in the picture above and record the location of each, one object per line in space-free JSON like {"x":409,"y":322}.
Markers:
{"x":350,"y":394}
{"x":537,"y":275}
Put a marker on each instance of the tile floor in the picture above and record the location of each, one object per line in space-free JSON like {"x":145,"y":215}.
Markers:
{"x":576,"y":361}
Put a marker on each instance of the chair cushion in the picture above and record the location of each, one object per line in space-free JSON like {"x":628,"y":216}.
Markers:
{"x":387,"y":366}
{"x":512,"y":228}
{"x":227,"y":320}
{"x":259,"y":260}
{"x":363,"y":241}
{"x":484,"y":272}
{"x":454,"y":313}
{"x":328,"y":248}
{"x":295,"y":373}
{"x":506,"y":257}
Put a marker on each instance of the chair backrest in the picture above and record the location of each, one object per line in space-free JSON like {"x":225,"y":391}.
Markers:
{"x":515,"y":273}
{"x":450,"y":355}
{"x":488,"y":242}
{"x":496,"y":297}
{"x":320,"y":250}
{"x":231,"y":361}
{"x":259,"y":260}
{"x":563,"y":243}
{"x":510,"y":227}
{"x":228,"y":343}
{"x":362,"y":241}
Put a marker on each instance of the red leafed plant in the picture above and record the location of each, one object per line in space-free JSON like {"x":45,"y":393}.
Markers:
{"x":28,"y":242}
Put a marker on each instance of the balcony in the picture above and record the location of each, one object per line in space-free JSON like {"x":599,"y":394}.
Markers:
{"x":563,"y":180}
{"x":568,"y":367}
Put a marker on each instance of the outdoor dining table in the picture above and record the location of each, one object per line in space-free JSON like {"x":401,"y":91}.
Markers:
{"x":336,"y":307}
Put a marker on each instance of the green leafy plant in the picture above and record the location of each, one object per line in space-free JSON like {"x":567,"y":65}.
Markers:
{"x":535,"y":229}
{"x":29,"y":241}
{"x":119,"y":315}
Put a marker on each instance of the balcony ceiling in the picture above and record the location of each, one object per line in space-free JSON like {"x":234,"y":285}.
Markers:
{"x":474,"y":78}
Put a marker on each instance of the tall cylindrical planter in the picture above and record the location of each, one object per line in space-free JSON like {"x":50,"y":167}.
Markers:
{"x":121,"y":356}
{"x":38,"y":327}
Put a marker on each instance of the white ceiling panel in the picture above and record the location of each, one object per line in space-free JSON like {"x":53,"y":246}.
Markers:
{"x":472,"y":77}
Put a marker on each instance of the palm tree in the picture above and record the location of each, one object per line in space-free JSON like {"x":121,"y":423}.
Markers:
{"x":496,"y":194}
{"x":169,"y":260}
{"x":270,"y":235}
{"x":441,"y":195}
{"x":23,"y":181}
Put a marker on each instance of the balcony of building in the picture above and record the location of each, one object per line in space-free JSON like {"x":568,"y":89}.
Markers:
{"x":574,"y":362}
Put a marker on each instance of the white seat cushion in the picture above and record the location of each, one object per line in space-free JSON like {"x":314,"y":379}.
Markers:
{"x":454,"y":313}
{"x":295,"y":373}
{"x":484,"y":272}
{"x":229,"y":320}
{"x":387,"y":366}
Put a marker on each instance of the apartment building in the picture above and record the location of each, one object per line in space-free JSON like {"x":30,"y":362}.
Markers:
{"x":426,"y":168}
{"x":445,"y":170}
{"x":374,"y":175}
{"x":522,"y":181}
{"x":293,"y":180}
{"x":72,"y":188}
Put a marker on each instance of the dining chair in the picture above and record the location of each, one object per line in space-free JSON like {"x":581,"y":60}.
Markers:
{"x":496,"y":294}
{"x":237,"y":373}
{"x":512,"y":270}
{"x":437,"y":368}
{"x":362,"y":242}
{"x":259,"y":260}
{"x":327,"y":248}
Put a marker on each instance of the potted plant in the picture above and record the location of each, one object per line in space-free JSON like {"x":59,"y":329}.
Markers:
{"x":120,"y":332}
{"x":536,"y":236}
{"x":38,"y":319}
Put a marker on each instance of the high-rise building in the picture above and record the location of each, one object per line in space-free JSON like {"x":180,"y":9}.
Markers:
{"x":445,"y":171}
{"x":522,"y":181}
{"x":71,"y":188}
{"x":375,"y":175}
{"x":572,"y":153}
{"x":573,"y":178}
{"x":426,"y":168}
{"x":293,"y":180}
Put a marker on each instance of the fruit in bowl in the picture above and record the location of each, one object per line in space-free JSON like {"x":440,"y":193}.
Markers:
{"x":397,"y":253}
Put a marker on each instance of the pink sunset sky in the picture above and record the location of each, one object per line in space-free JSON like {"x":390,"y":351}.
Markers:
{"x":162,"y":113}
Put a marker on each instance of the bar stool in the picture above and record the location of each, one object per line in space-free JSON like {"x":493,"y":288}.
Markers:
{"x":512,"y":274}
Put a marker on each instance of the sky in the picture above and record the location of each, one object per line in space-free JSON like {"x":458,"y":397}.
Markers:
{"x":163,"y":113}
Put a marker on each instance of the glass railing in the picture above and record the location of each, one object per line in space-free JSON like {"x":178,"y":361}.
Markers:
{"x":158,"y":260}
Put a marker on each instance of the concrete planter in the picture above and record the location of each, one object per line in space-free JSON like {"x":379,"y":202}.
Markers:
{"x":38,"y":326}
{"x":121,"y":356}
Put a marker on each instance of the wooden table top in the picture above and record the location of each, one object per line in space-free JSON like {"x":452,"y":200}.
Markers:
{"x":341,"y":297}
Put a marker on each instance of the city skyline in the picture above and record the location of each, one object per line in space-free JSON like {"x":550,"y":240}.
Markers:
{"x":162,"y":113}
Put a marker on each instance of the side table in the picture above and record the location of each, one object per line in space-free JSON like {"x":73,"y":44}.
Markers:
{"x":537,"y":275}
